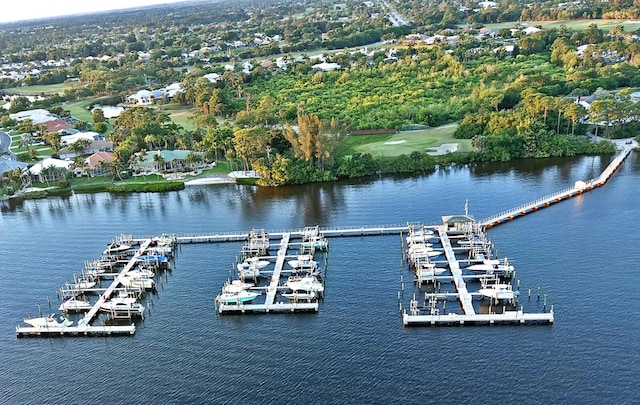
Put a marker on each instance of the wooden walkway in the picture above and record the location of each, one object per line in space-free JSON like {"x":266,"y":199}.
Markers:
{"x":295,"y":233}
{"x":275,"y":276}
{"x":461,"y":286}
{"x":578,"y":188}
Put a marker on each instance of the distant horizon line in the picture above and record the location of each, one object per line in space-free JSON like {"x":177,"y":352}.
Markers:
{"x":163,"y":3}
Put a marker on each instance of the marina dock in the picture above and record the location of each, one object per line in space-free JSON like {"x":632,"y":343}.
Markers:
{"x":493,"y":279}
{"x":438,"y":280}
{"x":272,"y":289}
{"x":51,"y":326}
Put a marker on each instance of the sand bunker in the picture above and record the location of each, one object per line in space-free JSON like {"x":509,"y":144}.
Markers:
{"x":443,"y":149}
{"x":395,"y":142}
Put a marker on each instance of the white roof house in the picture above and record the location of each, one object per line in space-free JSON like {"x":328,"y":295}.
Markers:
{"x":531,"y":30}
{"x":212,"y":77}
{"x":70,"y":139}
{"x":325,"y":66}
{"x":37,"y":116}
{"x":173,"y":88}
{"x":488,"y":4}
{"x":49,"y":162}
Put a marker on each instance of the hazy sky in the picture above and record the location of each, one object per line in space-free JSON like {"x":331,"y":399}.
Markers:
{"x":15,"y":10}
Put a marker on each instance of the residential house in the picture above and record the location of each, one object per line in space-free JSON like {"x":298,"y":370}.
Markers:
{"x":96,"y":164}
{"x":161,"y":161}
{"x":325,"y":67}
{"x":50,"y":169}
{"x":99,"y":145}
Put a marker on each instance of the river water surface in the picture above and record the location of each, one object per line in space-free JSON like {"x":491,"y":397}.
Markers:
{"x":583,"y":253}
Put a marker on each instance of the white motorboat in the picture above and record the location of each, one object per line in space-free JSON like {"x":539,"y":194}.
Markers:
{"x":74,"y":305}
{"x":249,"y":273}
{"x":141,"y":272}
{"x":237,"y":298}
{"x":48,"y":322}
{"x":115,"y":248}
{"x":303,"y":262}
{"x":146,"y":283}
{"x":428,"y":269}
{"x":498,"y":291}
{"x":421,"y":254}
{"x":304,"y":283}
{"x":82,"y":285}
{"x":123,"y":307}
{"x":490,"y":268}
{"x":248,"y":263}
{"x":236,"y":286}
{"x":301,"y":295}
{"x":475,"y":240}
{"x":421,"y":237}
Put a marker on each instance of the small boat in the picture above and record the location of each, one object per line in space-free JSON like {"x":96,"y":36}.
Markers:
{"x":420,"y":247}
{"x":257,"y":264}
{"x":301,"y":296}
{"x":146,"y":283}
{"x":421,"y":237}
{"x":421,"y":254}
{"x":141,"y":273}
{"x":249,"y":273}
{"x":162,"y":241}
{"x":48,"y":322}
{"x":303,"y":262}
{"x":428,"y":269}
{"x":153,"y":258}
{"x":475,"y":240}
{"x":237,"y":298}
{"x":116,"y":247}
{"x":74,"y":305}
{"x":304,"y":283}
{"x":236,"y":286}
{"x":490,"y":268}
{"x":498,"y":291}
{"x":123,"y":307}
{"x":82,"y":285}
{"x":316,"y":242}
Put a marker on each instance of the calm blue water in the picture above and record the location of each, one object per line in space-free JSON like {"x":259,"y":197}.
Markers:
{"x":582,"y":252}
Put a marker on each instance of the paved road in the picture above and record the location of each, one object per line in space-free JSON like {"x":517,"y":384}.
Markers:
{"x":5,"y":142}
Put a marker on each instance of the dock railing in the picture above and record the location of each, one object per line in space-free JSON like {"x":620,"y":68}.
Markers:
{"x":562,"y":194}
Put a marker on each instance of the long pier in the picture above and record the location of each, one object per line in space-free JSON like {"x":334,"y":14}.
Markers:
{"x":577,"y":189}
{"x":295,"y":233}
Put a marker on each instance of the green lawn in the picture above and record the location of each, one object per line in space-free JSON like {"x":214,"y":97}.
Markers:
{"x":39,"y":89}
{"x":179,"y":114}
{"x":80,"y":109}
{"x":576,"y":25}
{"x":406,"y":142}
